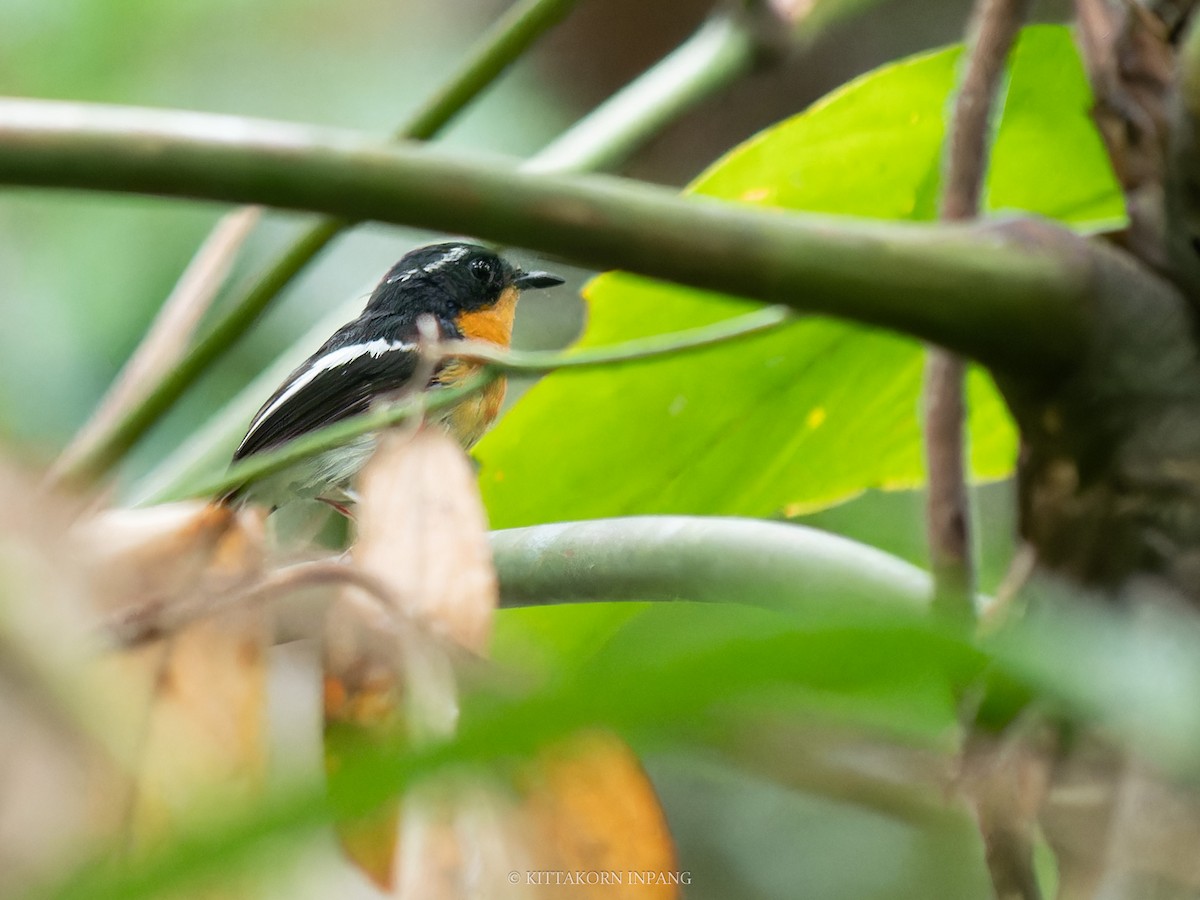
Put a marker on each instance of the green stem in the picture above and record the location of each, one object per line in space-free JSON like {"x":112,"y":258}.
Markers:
{"x":1027,"y":280}
{"x":268,"y":462}
{"x":721,"y":51}
{"x":699,"y":558}
{"x":505,"y":42}
{"x":498,"y":48}
{"x":540,"y":361}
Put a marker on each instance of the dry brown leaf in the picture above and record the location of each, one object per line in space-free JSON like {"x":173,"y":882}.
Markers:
{"x":423,"y":539}
{"x":66,"y":720}
{"x":422,"y":531}
{"x":584,"y":806}
{"x":581,"y":821}
{"x":144,"y":560}
{"x":204,"y":748}
{"x":422,"y":535}
{"x":194,"y":716}
{"x":591,"y":809}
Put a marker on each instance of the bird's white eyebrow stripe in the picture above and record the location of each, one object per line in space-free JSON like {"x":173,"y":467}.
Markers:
{"x":448,"y":258}
{"x":331,"y":360}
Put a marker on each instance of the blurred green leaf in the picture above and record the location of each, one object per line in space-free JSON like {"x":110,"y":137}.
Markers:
{"x":671,"y":683}
{"x":545,"y":640}
{"x":818,"y":411}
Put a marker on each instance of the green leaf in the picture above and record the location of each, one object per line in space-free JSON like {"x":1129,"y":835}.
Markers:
{"x":817,"y":411}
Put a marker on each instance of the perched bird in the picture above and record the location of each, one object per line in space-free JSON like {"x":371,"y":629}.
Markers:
{"x":470,"y":293}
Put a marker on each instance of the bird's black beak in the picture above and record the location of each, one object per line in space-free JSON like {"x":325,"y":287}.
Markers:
{"x":526,"y":280}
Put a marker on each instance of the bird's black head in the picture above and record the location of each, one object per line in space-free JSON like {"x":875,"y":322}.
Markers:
{"x":452,"y":278}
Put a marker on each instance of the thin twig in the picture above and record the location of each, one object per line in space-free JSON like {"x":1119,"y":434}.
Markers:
{"x":722,"y":50}
{"x":152,"y":621}
{"x":499,"y":47}
{"x":994,"y":27}
{"x":168,"y":336}
{"x":542,"y":361}
{"x":259,"y":465}
{"x":268,"y":462}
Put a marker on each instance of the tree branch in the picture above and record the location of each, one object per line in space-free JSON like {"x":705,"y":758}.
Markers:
{"x":268,"y":462}
{"x":994,"y":27}
{"x":503,"y":44}
{"x":672,"y":344}
{"x":167,"y":338}
{"x":699,"y":558}
{"x":1028,"y":279}
{"x":722,"y":50}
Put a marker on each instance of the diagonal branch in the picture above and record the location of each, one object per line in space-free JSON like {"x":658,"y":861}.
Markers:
{"x":721,"y":50}
{"x":512,"y":34}
{"x":168,"y":336}
{"x":994,"y":27}
{"x":1028,"y":279}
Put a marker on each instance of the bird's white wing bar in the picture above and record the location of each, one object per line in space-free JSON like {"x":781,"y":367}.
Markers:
{"x":332,"y":360}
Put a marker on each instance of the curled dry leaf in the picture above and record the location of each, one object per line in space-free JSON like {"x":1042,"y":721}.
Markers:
{"x":581,"y":807}
{"x":196,"y":696}
{"x":54,"y":714}
{"x":422,"y":531}
{"x":142,"y":560}
{"x":579,"y":821}
{"x":85,"y":730}
{"x":591,"y":809}
{"x":422,"y":534}
{"x":202,"y":751}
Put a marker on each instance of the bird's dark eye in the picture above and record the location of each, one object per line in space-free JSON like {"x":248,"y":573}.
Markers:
{"x":482,"y":270}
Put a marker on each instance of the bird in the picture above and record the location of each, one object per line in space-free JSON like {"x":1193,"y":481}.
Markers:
{"x":467,"y":290}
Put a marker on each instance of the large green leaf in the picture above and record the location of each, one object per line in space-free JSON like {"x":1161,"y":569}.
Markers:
{"x":820,"y":410}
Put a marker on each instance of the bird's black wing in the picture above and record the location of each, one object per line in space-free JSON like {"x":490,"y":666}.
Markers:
{"x":339,"y":380}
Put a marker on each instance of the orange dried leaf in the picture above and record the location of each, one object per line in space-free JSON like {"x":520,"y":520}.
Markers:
{"x":194,"y":716}
{"x":423,"y":532}
{"x":204,"y":747}
{"x":153,"y":558}
{"x":591,"y":808}
{"x":585,"y":805}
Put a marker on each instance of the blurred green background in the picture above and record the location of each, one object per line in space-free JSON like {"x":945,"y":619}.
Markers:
{"x":82,"y":276}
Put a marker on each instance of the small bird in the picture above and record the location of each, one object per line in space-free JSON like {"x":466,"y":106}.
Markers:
{"x":469,"y":292}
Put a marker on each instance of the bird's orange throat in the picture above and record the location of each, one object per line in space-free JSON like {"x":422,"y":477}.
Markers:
{"x":494,"y":324}
{"x":469,"y":419}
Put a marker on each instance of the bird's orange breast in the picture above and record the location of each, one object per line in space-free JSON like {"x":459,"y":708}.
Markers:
{"x":468,"y":419}
{"x":494,"y":324}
